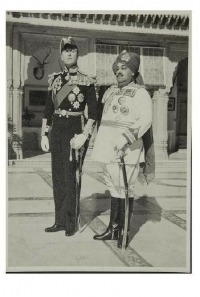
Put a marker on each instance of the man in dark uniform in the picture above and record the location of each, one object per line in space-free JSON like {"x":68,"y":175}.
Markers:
{"x":71,"y":91}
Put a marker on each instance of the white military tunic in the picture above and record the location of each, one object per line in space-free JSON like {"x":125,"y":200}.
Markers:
{"x":126,"y":109}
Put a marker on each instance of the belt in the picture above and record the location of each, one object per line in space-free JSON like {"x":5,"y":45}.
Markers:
{"x":66,"y":113}
{"x":116,"y":124}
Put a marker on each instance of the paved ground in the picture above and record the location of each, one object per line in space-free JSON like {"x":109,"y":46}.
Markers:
{"x":159,"y":226}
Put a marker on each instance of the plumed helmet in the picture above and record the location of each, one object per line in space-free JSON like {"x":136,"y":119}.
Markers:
{"x":67,"y":43}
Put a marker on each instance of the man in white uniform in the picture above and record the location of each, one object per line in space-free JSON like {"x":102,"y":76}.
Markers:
{"x":126,"y":117}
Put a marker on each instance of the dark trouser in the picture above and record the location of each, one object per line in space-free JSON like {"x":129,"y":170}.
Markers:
{"x":64,"y":171}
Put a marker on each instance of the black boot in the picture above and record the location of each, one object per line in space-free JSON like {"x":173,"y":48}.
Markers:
{"x":122,"y":221}
{"x":111,"y":232}
{"x":55,"y":228}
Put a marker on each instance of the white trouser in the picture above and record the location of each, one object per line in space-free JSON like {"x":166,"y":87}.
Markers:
{"x":113,"y":177}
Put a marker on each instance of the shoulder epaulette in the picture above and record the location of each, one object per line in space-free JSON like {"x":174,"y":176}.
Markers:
{"x":86,"y":79}
{"x":51,"y":79}
{"x":86,"y":74}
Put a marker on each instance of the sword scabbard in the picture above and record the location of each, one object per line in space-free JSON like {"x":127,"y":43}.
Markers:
{"x":126,"y":202}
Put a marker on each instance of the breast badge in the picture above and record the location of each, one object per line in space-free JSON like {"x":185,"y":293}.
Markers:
{"x":80,"y":97}
{"x":124,"y":110}
{"x":76,"y":90}
{"x":121,"y":100}
{"x":76,"y":104}
{"x":72,"y":97}
{"x":130,"y":92}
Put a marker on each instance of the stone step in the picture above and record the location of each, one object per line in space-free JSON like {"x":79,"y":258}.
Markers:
{"x":161,"y":166}
{"x":164,"y":168}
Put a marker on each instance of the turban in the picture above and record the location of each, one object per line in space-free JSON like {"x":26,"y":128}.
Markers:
{"x":132,"y":61}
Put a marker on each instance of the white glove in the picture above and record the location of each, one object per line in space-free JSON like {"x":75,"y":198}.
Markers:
{"x":45,"y":143}
{"x":120,"y":143}
{"x":78,"y":141}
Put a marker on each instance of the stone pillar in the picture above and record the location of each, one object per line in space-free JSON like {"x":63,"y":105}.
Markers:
{"x":160,"y":100}
{"x":9,"y":69}
{"x":17,"y":90}
{"x":17,"y":108}
{"x":9,"y":99}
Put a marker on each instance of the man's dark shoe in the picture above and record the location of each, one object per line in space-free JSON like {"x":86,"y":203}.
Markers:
{"x":55,"y":228}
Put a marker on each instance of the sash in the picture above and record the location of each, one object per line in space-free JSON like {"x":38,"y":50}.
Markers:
{"x":66,"y":89}
{"x":147,"y":169}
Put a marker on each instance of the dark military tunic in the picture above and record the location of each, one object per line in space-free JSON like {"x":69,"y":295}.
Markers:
{"x":80,"y":91}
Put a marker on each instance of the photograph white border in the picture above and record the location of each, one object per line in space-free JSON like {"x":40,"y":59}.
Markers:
{"x":137,"y":284}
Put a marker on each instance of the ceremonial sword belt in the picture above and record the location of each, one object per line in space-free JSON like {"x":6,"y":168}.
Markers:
{"x":66,"y":113}
{"x":115,"y":124}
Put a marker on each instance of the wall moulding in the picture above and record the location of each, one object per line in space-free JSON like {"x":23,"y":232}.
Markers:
{"x":37,"y":41}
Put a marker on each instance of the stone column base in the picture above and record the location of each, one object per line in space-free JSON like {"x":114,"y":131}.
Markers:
{"x":161,"y":150}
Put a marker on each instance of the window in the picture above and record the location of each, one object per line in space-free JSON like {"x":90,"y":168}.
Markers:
{"x":151,"y":66}
{"x":35,"y":97}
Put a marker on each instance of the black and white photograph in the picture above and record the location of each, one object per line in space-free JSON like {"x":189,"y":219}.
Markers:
{"x":98,"y":109}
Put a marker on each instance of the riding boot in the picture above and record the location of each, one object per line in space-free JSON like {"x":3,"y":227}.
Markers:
{"x":122,"y":220}
{"x":111,"y":232}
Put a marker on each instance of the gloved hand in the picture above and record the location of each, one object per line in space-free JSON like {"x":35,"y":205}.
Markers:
{"x":120,"y":143}
{"x":45,"y":143}
{"x":77,"y":141}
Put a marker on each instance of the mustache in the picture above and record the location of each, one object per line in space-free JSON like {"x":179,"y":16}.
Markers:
{"x":119,"y":74}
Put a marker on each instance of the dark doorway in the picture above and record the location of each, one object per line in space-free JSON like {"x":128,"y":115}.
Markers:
{"x":182,"y":104}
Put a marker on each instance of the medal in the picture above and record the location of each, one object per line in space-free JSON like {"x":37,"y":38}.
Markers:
{"x":80,"y":97}
{"x":71,"y":97}
{"x":124,"y":110}
{"x":115,"y":108}
{"x":121,"y":100}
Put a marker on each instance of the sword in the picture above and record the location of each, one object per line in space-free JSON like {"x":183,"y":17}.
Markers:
{"x":79,"y":163}
{"x":123,"y":166}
